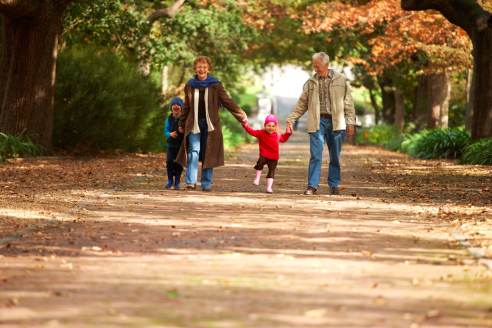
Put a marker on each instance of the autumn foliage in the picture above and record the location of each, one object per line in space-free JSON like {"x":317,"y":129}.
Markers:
{"x":394,"y":35}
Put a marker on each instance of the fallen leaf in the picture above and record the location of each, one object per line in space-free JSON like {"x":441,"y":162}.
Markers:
{"x":315,"y":313}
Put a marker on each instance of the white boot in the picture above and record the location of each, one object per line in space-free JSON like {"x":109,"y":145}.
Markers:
{"x":269,"y":186}
{"x":257,"y":179}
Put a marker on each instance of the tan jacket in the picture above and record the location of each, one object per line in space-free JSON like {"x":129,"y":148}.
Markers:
{"x":342,"y":104}
{"x":214,"y":154}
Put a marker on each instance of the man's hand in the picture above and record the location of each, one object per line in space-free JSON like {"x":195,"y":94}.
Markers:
{"x":350,"y":130}
{"x":174,"y":134}
{"x":181,"y":130}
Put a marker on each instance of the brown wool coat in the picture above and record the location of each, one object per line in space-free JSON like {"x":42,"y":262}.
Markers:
{"x":214,"y":155}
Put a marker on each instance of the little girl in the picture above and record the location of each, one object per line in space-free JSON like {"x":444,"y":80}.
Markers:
{"x":269,"y":138}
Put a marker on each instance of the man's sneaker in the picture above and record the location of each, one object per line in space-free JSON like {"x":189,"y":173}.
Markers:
{"x":334,"y":191}
{"x":310,"y":191}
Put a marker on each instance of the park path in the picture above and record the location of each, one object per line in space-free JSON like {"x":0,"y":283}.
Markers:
{"x":143,"y":256}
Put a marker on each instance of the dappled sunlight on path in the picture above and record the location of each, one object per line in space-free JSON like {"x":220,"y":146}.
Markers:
{"x":238,"y":257}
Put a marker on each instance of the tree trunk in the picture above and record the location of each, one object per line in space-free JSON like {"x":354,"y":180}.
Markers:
{"x":27,"y":75}
{"x":470,"y":16}
{"x":421,"y":102}
{"x":439,"y":90}
{"x":388,"y":100}
{"x":375,"y":106}
{"x":470,"y":103}
{"x":164,"y":79}
{"x":399,"y":112}
{"x":445,"y":103}
{"x":481,"y":98}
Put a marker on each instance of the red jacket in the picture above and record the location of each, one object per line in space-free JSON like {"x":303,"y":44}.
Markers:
{"x":268,"y":141}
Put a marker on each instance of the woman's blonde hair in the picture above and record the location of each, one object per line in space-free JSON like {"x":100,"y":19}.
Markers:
{"x":201,"y":59}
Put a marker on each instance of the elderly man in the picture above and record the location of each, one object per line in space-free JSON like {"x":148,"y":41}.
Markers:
{"x":327,"y":99}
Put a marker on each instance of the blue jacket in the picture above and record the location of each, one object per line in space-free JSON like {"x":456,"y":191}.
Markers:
{"x":171,"y":126}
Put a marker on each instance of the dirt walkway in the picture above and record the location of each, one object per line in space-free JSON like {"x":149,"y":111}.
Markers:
{"x":144,"y":256}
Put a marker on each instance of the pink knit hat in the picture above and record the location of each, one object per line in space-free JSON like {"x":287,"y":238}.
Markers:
{"x":270,"y":118}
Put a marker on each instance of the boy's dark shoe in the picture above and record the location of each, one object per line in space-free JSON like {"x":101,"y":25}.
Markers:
{"x":177,"y":179}
{"x":334,"y":191}
{"x":310,"y":191}
{"x":170,"y":176}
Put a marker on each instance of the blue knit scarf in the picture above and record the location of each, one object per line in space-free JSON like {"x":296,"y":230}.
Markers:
{"x":207,"y":83}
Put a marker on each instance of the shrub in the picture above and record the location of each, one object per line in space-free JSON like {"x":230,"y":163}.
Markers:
{"x":439,"y":143}
{"x":103,"y":103}
{"x":403,"y":143}
{"x":395,"y":144}
{"x":19,"y":144}
{"x":232,"y":131}
{"x":359,"y":107}
{"x":457,"y":113}
{"x":378,"y":134}
{"x":479,"y":152}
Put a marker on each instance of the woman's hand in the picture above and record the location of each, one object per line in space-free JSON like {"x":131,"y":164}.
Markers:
{"x":181,"y":130}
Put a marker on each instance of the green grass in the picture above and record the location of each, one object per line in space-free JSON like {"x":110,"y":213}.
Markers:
{"x":11,"y":146}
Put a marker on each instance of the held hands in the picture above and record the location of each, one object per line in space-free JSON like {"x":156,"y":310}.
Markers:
{"x":350,"y":130}
{"x":174,"y":134}
{"x":289,"y":128}
{"x":244,"y":122}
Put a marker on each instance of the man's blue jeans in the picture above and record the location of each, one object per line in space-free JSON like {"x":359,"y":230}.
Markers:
{"x":197,"y":141}
{"x":317,"y":143}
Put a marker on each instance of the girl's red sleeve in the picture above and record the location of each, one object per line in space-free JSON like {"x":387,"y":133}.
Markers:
{"x":254,"y":133}
{"x":284,"y":137}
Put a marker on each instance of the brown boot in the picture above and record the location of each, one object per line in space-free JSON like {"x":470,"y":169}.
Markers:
{"x":310,"y":191}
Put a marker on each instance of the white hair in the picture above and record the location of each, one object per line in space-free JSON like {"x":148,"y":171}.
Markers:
{"x":325,"y":59}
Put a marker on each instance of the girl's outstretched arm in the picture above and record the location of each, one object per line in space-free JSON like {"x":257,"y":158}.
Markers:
{"x":284,"y":137}
{"x":254,"y":133}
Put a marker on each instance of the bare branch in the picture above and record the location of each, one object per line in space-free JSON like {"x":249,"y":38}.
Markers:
{"x":168,"y":12}
{"x":467,"y":14}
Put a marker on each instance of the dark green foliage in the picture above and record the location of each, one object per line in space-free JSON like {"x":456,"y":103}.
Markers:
{"x":359,"y":108}
{"x":378,"y":134}
{"x":102,"y":103}
{"x":444,"y":143}
{"x":457,"y":114}
{"x":479,"y":152}
{"x":20,"y":144}
{"x":439,"y":143}
{"x":395,"y":144}
{"x":233,"y":132}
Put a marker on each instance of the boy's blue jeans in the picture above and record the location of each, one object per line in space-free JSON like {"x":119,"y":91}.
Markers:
{"x":197,"y":141}
{"x":317,"y":143}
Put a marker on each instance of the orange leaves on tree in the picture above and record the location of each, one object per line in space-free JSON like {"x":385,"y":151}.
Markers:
{"x":403,"y":33}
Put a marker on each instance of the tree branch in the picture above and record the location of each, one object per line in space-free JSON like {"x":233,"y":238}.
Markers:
{"x":168,"y":12}
{"x":467,"y":14}
{"x":19,"y":8}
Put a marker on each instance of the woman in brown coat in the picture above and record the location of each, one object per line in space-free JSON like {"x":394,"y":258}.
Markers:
{"x":200,"y":123}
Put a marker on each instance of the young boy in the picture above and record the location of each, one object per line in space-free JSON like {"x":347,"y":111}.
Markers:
{"x":174,"y":141}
